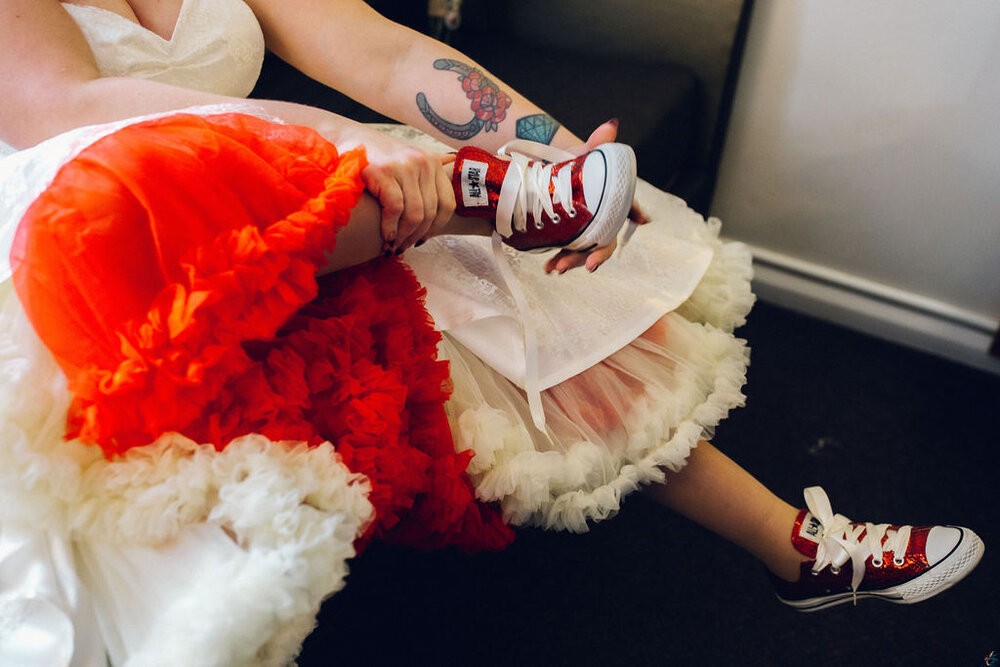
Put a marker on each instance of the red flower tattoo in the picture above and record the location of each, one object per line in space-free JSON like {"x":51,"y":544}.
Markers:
{"x":489,"y":103}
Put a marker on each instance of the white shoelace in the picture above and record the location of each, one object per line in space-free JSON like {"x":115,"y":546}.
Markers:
{"x":526,"y":186}
{"x":526,"y":189}
{"x":841,"y":540}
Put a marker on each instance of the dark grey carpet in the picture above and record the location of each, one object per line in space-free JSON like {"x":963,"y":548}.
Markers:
{"x":891,"y":434}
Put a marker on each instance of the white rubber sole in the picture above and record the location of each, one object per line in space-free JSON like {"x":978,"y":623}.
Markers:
{"x":950,"y":570}
{"x":616,"y":201}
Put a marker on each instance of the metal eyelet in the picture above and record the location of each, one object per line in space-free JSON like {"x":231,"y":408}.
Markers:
{"x":834,"y":569}
{"x":877,"y":563}
{"x":899,"y":562}
{"x":556,"y":219}
{"x":571,"y":213}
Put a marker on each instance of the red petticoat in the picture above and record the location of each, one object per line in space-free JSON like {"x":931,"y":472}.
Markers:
{"x":170,"y":268}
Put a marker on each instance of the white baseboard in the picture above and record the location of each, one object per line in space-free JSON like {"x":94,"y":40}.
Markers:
{"x":876,"y":309}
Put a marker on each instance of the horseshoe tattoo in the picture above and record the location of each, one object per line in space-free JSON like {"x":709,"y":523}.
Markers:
{"x":489,"y":104}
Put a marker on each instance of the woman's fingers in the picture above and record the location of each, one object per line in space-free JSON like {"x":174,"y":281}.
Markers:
{"x":565,"y":260}
{"x":605,"y":133}
{"x":429,"y":199}
{"x":445,"y":196}
{"x":415,"y":194}
{"x":419,"y":208}
{"x":637,"y":215}
{"x":598,"y":256}
{"x":389,"y":194}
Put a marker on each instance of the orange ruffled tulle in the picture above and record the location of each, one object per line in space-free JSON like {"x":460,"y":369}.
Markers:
{"x":170,"y":269}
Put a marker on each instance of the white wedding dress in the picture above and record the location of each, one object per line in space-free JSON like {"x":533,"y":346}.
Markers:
{"x":178,"y":554}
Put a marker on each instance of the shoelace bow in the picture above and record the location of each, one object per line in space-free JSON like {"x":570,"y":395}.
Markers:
{"x":842,"y":540}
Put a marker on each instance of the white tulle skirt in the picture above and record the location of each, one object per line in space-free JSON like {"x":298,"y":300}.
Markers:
{"x":619,"y":424}
{"x":179,"y":554}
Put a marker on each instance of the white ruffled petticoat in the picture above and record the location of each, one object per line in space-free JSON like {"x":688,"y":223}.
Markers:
{"x":179,"y":554}
{"x":616,"y":425}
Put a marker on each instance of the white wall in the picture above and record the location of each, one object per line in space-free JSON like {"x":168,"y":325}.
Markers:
{"x":863,"y":157}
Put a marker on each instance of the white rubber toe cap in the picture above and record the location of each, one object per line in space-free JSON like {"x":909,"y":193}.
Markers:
{"x":609,"y":177}
{"x":594,"y":179}
{"x":941,"y":541}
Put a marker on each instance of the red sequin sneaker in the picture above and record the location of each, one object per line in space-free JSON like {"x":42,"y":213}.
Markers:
{"x":901,"y":564}
{"x":542,"y":197}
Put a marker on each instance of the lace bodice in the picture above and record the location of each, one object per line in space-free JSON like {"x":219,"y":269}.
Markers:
{"x":217,"y":47}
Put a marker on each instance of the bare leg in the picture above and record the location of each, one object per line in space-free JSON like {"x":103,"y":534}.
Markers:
{"x":715,"y":492}
{"x":361,"y":239}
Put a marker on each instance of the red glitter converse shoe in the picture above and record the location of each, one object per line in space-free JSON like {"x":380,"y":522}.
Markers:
{"x":542,"y":197}
{"x":901,"y":564}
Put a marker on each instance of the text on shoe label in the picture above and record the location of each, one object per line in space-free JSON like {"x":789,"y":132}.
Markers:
{"x":473,"y":190}
{"x":811,"y":529}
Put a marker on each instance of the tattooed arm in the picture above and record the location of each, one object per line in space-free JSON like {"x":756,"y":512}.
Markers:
{"x":403,"y":74}
{"x":489,"y":104}
{"x":416,"y":80}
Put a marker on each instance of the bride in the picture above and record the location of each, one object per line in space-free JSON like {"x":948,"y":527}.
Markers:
{"x":242,"y":339}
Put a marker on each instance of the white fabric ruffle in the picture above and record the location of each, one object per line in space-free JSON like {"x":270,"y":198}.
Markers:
{"x":191,"y":556}
{"x":617,"y":425}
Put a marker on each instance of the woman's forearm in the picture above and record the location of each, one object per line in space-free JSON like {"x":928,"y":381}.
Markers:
{"x":448,"y":95}
{"x":403,"y":74}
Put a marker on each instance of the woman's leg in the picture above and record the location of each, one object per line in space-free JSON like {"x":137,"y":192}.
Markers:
{"x":715,"y":492}
{"x":361,"y":239}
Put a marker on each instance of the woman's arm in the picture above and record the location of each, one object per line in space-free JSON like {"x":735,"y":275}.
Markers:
{"x":51,"y":82}
{"x":417,"y":80}
{"x":403,"y":74}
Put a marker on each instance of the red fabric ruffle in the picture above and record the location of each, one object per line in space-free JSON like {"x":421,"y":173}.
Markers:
{"x":161,"y":247}
{"x":170,"y":269}
{"x":358,"y":367}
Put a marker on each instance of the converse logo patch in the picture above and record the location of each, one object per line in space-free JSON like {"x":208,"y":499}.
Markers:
{"x":811,"y":528}
{"x":473,"y":191}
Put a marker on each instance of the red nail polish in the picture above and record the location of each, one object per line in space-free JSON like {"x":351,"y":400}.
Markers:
{"x":614,"y":121}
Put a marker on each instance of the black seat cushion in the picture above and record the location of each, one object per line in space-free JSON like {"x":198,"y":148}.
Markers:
{"x":658,"y":106}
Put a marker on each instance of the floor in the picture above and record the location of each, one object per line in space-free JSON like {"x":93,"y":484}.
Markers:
{"x":893,"y":435}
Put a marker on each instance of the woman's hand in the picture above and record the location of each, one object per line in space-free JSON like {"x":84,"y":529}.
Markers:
{"x":565,"y":260}
{"x":413,"y":190}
